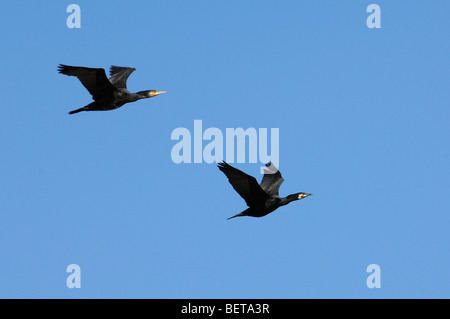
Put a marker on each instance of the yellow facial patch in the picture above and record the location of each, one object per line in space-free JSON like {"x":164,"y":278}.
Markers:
{"x":156,"y":93}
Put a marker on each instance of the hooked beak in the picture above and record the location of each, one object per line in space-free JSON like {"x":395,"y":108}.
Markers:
{"x":300,"y":196}
{"x":152,"y":94}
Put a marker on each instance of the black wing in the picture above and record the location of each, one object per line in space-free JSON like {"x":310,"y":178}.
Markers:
{"x":244,"y":184}
{"x":94,"y":80}
{"x":119,"y":76}
{"x":272,"y":179}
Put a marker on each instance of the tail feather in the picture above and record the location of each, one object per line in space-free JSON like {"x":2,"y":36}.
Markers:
{"x":237,"y":215}
{"x":77,"y":110}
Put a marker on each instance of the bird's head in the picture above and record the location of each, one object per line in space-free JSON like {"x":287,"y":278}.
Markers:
{"x":302,"y":195}
{"x":150,"y":93}
{"x":298,"y":196}
{"x":293,"y":197}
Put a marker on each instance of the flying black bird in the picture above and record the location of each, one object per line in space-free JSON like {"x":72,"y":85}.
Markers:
{"x":108,"y":94}
{"x":263,"y":198}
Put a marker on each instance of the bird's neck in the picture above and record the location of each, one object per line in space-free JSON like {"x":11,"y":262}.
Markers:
{"x":286,"y":200}
{"x":136,"y":96}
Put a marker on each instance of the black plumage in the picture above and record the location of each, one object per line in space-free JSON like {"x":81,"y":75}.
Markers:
{"x":263,"y":198}
{"x":108,"y":94}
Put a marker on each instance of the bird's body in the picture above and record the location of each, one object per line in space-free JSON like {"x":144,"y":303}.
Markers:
{"x":108,"y":94}
{"x":263,"y":198}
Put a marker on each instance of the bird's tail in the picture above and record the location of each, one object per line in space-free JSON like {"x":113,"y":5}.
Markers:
{"x":78,"y":110}
{"x":88,"y":107}
{"x":244,"y":213}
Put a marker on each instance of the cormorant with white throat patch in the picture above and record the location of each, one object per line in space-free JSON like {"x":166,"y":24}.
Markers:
{"x":263,"y":198}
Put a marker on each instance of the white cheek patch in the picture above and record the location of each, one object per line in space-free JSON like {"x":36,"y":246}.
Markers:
{"x":300,"y":196}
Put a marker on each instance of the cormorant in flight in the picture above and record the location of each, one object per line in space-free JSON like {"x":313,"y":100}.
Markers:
{"x":108,"y":94}
{"x":263,"y":198}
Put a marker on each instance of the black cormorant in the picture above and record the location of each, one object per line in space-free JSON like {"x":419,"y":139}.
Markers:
{"x":108,"y":94}
{"x":263,"y":198}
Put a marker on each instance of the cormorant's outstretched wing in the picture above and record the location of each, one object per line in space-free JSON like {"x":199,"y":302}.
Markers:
{"x":244,"y":184}
{"x":272,"y":179}
{"x":93,"y":79}
{"x":119,"y":76}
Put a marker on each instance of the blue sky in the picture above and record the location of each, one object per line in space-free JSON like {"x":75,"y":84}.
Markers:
{"x":363,"y":116}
